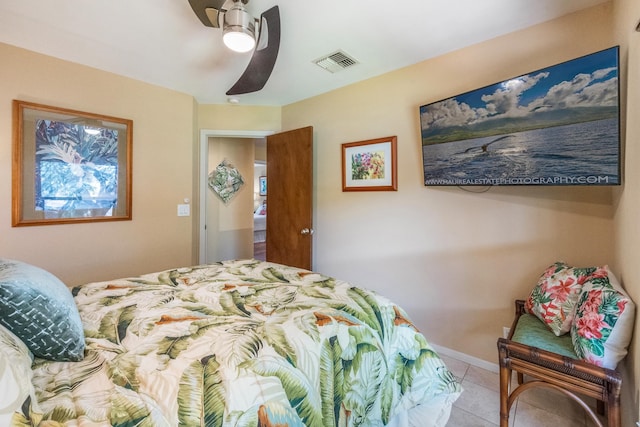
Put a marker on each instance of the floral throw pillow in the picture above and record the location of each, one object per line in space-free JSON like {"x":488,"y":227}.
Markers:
{"x":603,"y":322}
{"x":554,"y":298}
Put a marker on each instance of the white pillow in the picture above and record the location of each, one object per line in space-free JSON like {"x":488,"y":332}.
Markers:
{"x":15,"y":375}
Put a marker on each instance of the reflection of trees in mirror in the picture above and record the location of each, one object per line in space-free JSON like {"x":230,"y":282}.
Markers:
{"x":76,"y":170}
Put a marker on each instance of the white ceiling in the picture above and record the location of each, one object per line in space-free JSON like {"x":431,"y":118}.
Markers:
{"x":163,"y":43}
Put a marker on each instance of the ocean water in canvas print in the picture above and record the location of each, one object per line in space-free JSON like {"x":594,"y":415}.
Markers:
{"x":555,"y":126}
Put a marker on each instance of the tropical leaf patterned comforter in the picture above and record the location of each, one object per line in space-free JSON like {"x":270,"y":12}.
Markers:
{"x":242,"y":343}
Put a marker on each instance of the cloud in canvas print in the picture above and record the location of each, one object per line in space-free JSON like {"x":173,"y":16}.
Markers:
{"x":556,"y":126}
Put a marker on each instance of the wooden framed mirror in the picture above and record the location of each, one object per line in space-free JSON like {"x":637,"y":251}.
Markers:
{"x":69,"y":166}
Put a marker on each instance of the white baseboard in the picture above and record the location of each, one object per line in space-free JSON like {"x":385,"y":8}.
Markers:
{"x":493,"y":367}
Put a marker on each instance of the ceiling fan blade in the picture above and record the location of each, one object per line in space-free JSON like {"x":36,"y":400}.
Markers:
{"x":200,"y":8}
{"x":264,"y":58}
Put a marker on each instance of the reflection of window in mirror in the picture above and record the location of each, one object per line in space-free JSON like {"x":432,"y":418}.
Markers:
{"x":79,"y":177}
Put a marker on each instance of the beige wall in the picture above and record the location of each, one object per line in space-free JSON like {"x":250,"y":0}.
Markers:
{"x":451,"y":257}
{"x":627,"y":215}
{"x":162,"y":172}
{"x":239,"y":117}
{"x":454,"y":259}
{"x":468,"y":255}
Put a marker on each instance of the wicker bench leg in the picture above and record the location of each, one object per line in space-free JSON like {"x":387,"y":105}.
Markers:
{"x":505,"y":383}
{"x":613,"y":410}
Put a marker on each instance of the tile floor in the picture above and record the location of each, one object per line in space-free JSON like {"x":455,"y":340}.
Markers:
{"x":479,"y":404}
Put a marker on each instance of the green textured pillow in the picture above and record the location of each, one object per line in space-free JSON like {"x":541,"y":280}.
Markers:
{"x":39,"y":309}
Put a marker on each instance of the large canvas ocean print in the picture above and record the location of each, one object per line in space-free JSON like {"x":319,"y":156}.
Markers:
{"x":555,"y":126}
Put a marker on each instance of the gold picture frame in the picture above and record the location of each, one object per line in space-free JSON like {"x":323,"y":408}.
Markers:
{"x":370,"y":165}
{"x":69,"y":166}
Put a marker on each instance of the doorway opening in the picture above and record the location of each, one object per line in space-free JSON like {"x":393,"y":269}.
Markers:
{"x":222,"y":233}
{"x":260,"y":201}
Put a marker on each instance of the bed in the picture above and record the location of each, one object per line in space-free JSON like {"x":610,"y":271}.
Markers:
{"x":260,"y":223}
{"x":236,"y":343}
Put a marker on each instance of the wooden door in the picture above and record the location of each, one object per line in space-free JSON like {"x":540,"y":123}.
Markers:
{"x":289,"y":197}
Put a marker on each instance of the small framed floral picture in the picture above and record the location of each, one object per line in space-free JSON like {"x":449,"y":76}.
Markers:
{"x":370,"y":165}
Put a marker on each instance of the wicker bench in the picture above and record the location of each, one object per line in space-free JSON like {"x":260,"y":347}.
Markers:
{"x":553,"y":367}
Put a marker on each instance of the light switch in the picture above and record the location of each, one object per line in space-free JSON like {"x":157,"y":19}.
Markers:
{"x":184,"y":210}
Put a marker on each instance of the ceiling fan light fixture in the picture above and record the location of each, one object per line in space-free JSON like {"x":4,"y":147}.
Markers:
{"x":238,"y":41}
{"x":239,"y":29}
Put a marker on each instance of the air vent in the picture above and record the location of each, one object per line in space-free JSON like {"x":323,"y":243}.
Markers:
{"x":335,"y":61}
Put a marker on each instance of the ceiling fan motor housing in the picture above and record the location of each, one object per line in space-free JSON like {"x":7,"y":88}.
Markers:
{"x":238,"y":19}
{"x":238,"y":23}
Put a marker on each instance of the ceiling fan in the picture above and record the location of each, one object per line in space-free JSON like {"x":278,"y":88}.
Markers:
{"x":242,"y":33}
